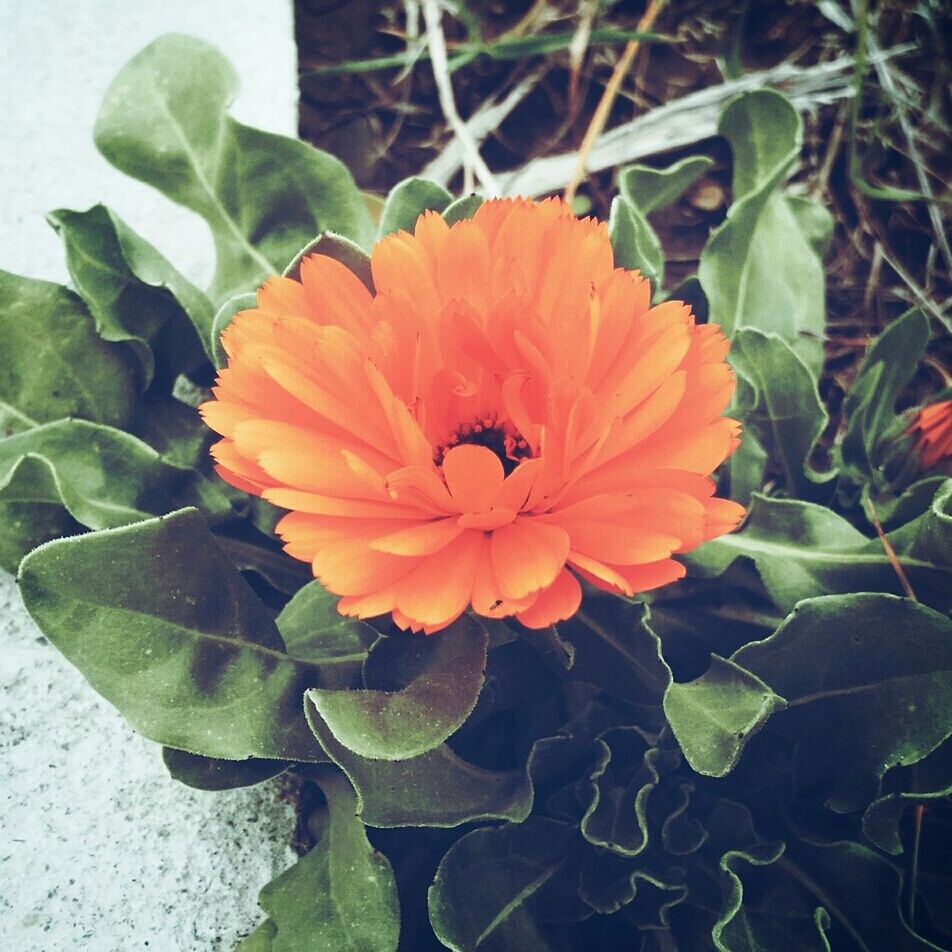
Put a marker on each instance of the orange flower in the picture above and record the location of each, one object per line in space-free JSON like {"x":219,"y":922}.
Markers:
{"x":506,"y":414}
{"x":932,"y":429}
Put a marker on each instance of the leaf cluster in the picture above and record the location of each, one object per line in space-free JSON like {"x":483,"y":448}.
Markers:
{"x":755,"y":759}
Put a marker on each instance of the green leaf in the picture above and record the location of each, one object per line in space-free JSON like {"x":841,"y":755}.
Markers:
{"x":859,"y":889}
{"x":778,"y":917}
{"x":607,"y":883}
{"x":870,"y":405}
{"x":649,"y":189}
{"x":681,"y":833}
{"x":223,"y":317}
{"x":815,"y":221}
{"x":31,"y":510}
{"x":930,"y":779}
{"x":106,"y":477}
{"x":211,"y":773}
{"x":557,"y":900}
{"x":402,"y":724}
{"x":340,"y":897}
{"x":634,"y":242}
{"x":758,"y":269}
{"x":54,"y":363}
{"x":374,"y":203}
{"x":478,"y":898}
{"x":923,"y":545}
{"x":735,"y":845}
{"x":341,"y":249}
{"x":655,"y":897}
{"x":747,"y":465}
{"x":877,"y":667}
{"x":250,"y":551}
{"x":462,"y":208}
{"x":571,"y":744}
{"x":627,"y":770}
{"x":96,"y":475}
{"x":785,"y":411}
{"x":407,"y":201}
{"x":133,"y":292}
{"x":803,"y":550}
{"x":701,"y":617}
{"x":164,"y":121}
{"x":166,"y":629}
{"x":174,"y":430}
{"x":616,"y":649}
{"x":643,"y":190}
{"x":260,"y":940}
{"x":314,"y":630}
{"x":895,"y":511}
{"x":759,"y":156}
{"x":456,"y":792}
{"x":714,"y":716}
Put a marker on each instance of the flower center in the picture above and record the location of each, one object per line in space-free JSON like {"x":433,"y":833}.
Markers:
{"x":502,"y":438}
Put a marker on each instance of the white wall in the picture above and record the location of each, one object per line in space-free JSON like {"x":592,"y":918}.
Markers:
{"x":56,"y":59}
{"x":99,"y":850}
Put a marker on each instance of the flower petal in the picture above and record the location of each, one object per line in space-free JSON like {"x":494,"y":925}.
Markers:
{"x":621,"y":545}
{"x":527,"y":555}
{"x":515,"y":491}
{"x":488,"y":599}
{"x":421,"y":487}
{"x":423,"y":539}
{"x":559,"y":601}
{"x":335,"y":506}
{"x":438,"y":590}
{"x":473,"y":475}
{"x":335,"y":294}
{"x":337,"y":401}
{"x":350,"y":567}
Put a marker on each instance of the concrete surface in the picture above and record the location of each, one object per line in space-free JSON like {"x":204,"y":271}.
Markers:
{"x":99,"y":850}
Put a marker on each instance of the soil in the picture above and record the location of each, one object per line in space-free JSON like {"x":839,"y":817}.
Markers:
{"x":386,"y":124}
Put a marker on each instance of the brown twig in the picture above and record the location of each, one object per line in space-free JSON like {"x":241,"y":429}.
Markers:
{"x":890,"y":551}
{"x":832,"y":150}
{"x":600,"y":116}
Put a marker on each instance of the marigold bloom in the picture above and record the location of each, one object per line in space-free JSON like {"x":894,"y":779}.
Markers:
{"x":506,"y":414}
{"x":931,"y":428}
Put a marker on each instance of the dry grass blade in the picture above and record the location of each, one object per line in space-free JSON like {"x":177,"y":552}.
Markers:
{"x":473,"y":162}
{"x":604,"y":108}
{"x":482,"y":123}
{"x":684,"y":121}
{"x":577,"y":49}
{"x":886,"y":81}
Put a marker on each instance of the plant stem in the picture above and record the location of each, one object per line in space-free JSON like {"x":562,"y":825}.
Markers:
{"x":811,"y":886}
{"x":890,"y":551}
{"x":914,"y":862}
